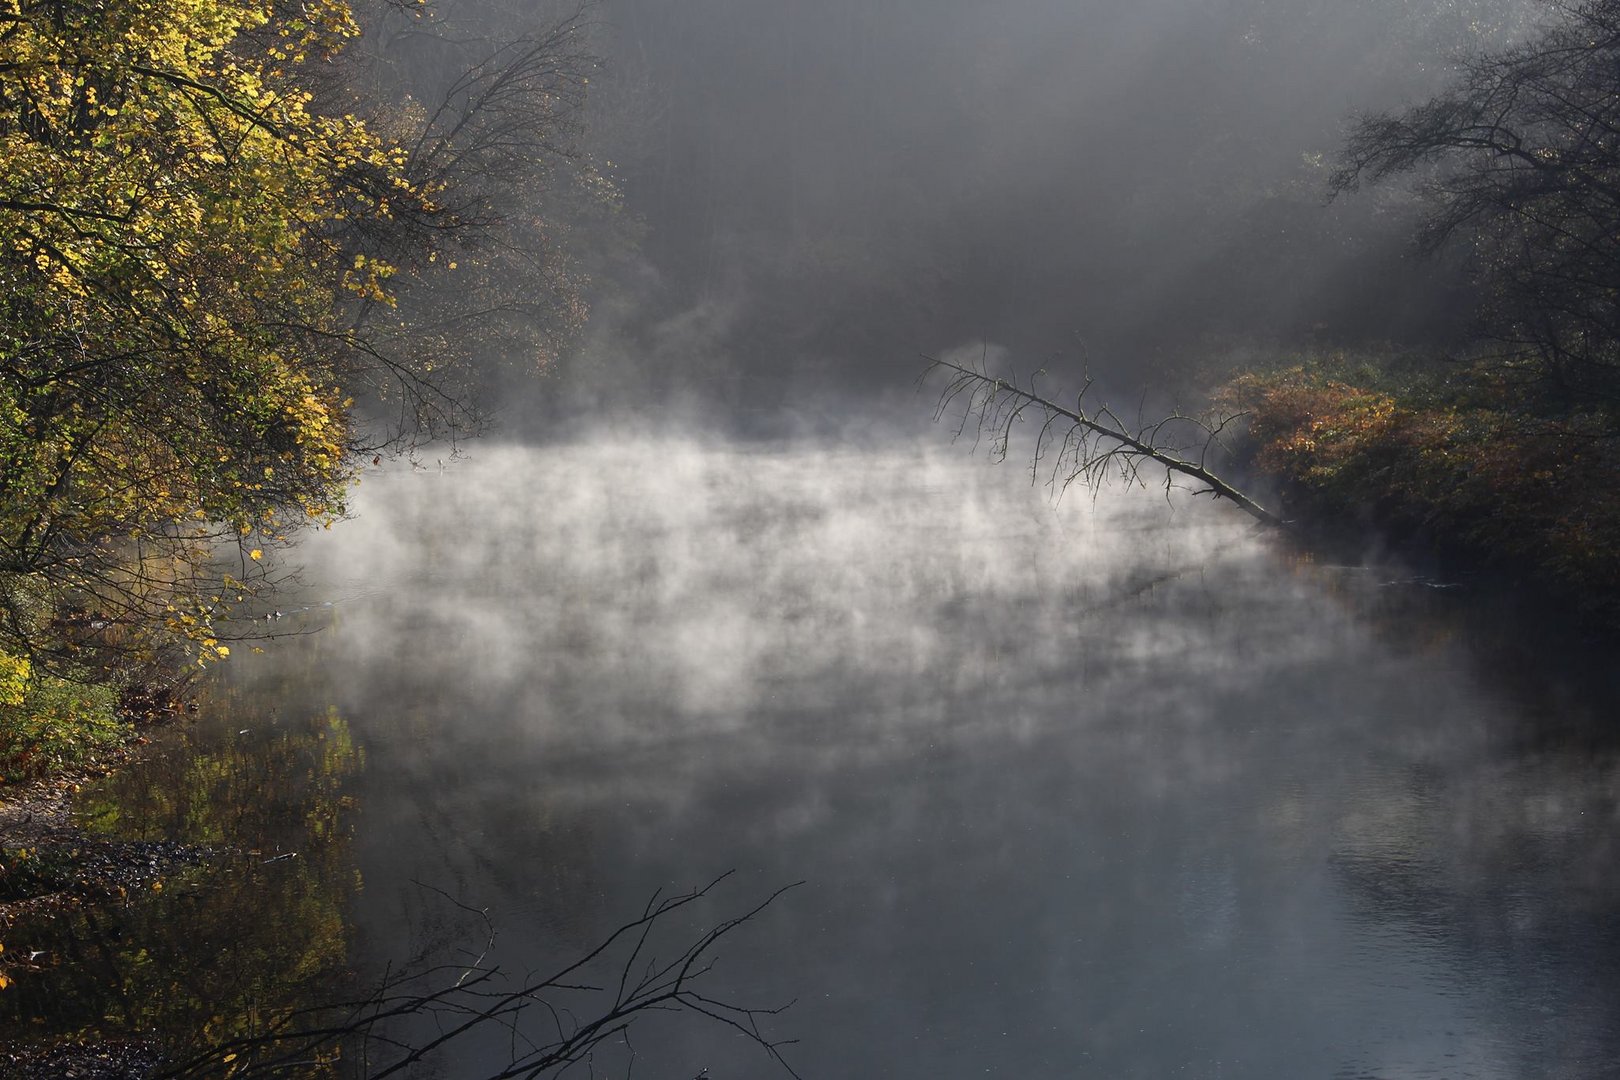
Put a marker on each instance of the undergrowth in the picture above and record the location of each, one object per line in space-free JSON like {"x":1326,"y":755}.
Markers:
{"x":1445,"y":457}
{"x":49,"y":724}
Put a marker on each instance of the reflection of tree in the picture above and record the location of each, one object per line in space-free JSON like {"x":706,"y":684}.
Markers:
{"x":243,"y":966}
{"x":220,"y":951}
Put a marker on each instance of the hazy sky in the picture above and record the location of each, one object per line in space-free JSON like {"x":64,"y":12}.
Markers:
{"x":830,"y":187}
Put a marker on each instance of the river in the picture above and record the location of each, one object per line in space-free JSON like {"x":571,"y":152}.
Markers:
{"x":1105,"y":786}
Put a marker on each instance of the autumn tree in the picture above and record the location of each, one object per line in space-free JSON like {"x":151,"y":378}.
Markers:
{"x":207,"y":253}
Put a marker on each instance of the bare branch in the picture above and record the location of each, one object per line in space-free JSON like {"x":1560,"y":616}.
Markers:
{"x":465,"y":998}
{"x":1096,"y":444}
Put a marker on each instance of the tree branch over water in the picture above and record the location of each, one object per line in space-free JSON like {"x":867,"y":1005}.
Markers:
{"x":1089,"y":443}
{"x":552,"y":1023}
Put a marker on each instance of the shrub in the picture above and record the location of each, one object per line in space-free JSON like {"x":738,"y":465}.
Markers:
{"x":48,"y":723}
{"x":1462,"y":469}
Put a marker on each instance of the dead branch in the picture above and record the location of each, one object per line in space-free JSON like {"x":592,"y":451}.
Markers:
{"x":552,"y":1022}
{"x":1088,"y":443}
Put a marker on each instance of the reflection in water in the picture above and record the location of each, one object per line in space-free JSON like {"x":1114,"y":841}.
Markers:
{"x":227,"y":948}
{"x":1108,"y":789}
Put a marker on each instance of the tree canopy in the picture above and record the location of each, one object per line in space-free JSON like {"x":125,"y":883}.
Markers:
{"x":208,"y":252}
{"x":1520,"y":163}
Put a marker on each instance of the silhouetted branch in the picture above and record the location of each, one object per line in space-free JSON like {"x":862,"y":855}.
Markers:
{"x":611,"y":985}
{"x":1088,"y":442}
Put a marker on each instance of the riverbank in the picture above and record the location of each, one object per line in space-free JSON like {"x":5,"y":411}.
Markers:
{"x":1445,"y":464}
{"x":50,"y":866}
{"x":49,"y":862}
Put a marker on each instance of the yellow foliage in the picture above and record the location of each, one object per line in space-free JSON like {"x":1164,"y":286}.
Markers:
{"x":176,"y":297}
{"x":14,"y":676}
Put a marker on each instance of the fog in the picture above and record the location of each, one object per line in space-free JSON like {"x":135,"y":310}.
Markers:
{"x":1104,"y":786}
{"x":1116,"y":788}
{"x":816,"y":192}
{"x":1111,"y":785}
{"x":1078,"y":783}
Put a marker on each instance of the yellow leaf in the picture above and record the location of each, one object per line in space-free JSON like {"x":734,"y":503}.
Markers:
{"x":255,"y":554}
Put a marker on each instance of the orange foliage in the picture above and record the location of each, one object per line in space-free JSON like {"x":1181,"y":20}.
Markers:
{"x":1524,"y":493}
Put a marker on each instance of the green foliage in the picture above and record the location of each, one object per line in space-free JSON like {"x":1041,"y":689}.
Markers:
{"x":1511,"y":455}
{"x":48,"y":723}
{"x":32,"y":871}
{"x":204,"y":250}
{"x":174,"y":301}
{"x":14,"y":679}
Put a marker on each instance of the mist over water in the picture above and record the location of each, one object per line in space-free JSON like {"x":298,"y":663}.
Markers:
{"x":1105,"y":785}
{"x":1108,"y":788}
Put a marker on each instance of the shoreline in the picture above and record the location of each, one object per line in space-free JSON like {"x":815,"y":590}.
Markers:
{"x":50,"y":865}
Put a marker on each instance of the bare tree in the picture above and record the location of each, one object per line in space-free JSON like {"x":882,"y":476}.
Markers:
{"x":487,"y":103}
{"x":1089,"y":442}
{"x":1518,"y":161}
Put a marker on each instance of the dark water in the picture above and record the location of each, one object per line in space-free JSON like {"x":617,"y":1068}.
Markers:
{"x":1105,"y":789}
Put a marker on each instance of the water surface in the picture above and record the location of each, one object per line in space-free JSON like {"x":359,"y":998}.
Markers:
{"x":1111,"y":787}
